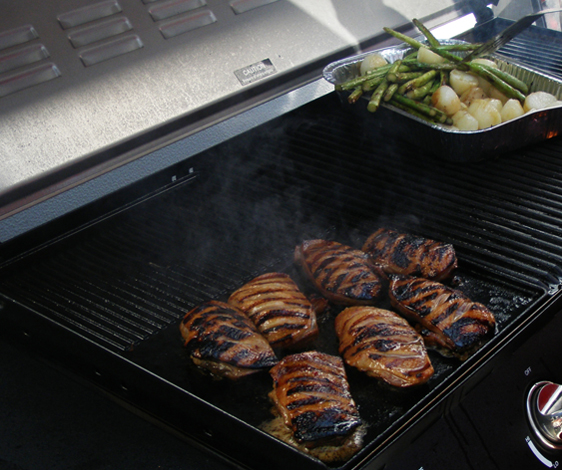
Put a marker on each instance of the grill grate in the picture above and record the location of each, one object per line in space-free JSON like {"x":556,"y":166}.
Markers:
{"x":505,"y":213}
{"x":311,"y":174}
{"x":522,"y":50}
{"x":524,"y":47}
{"x":126,"y":281}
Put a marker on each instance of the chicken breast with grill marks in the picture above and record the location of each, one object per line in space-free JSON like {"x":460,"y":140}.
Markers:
{"x":457,"y":323}
{"x":342,"y":274}
{"x":383,"y":345}
{"x":411,"y":255}
{"x":280,"y":311}
{"x":312,"y":395}
{"x":223,"y":340}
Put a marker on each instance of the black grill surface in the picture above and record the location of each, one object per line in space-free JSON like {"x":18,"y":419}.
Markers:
{"x":125,"y":282}
{"x":127,"y":277}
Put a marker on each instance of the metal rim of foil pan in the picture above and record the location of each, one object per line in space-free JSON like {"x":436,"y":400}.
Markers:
{"x":447,"y":142}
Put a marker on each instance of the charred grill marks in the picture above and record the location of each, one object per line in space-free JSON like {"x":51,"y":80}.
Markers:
{"x":312,"y":395}
{"x":220,"y":338}
{"x":279,"y":310}
{"x":383,"y":345}
{"x":460,"y":323}
{"x":403,"y":253}
{"x":342,"y":274}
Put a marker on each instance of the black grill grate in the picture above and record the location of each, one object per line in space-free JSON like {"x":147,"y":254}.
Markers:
{"x":309,"y":175}
{"x":126,"y":281}
{"x":506,"y":213}
{"x":536,"y":47}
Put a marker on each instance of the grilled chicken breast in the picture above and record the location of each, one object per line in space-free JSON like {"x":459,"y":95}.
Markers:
{"x":280,"y":311}
{"x":312,"y":395}
{"x":402,"y":253}
{"x":383,"y":345}
{"x":342,"y":274}
{"x":456,"y":321}
{"x":223,"y":340}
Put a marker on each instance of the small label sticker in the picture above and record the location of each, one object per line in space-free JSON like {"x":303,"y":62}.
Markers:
{"x":255,"y":72}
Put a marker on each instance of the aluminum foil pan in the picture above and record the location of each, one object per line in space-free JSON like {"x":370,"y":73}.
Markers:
{"x":448,"y":142}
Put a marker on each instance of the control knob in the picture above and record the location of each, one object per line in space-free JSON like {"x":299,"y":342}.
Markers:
{"x":543,"y":407}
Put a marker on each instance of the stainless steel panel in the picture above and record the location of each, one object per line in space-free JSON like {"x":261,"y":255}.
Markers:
{"x":55,"y":124}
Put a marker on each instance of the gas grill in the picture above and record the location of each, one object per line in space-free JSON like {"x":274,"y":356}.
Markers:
{"x":98,"y":286}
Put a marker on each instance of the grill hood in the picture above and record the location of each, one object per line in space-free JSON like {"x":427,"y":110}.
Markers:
{"x":87,"y":89}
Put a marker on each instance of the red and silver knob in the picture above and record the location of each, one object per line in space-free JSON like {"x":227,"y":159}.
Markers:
{"x":544,"y":413}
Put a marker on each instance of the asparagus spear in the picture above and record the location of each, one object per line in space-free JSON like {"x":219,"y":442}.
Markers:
{"x":354,"y":82}
{"x":403,"y":37}
{"x":424,"y":30}
{"x":421,"y":91}
{"x":422,"y":108}
{"x":411,"y":111}
{"x":355,"y":95}
{"x":444,"y":77}
{"x":391,"y":90}
{"x":401,"y":77}
{"x":469,"y":46}
{"x":506,"y":77}
{"x":393,"y":70}
{"x":374,"y":83}
{"x":417,"y":82}
{"x":410,"y":56}
{"x":371,"y":76}
{"x":446,"y":54}
{"x":499,"y":83}
{"x":421,"y":65}
{"x":437,"y":48}
{"x":375,"y":100}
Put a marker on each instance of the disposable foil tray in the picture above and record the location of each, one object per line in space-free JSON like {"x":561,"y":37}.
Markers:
{"x":448,"y":142}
